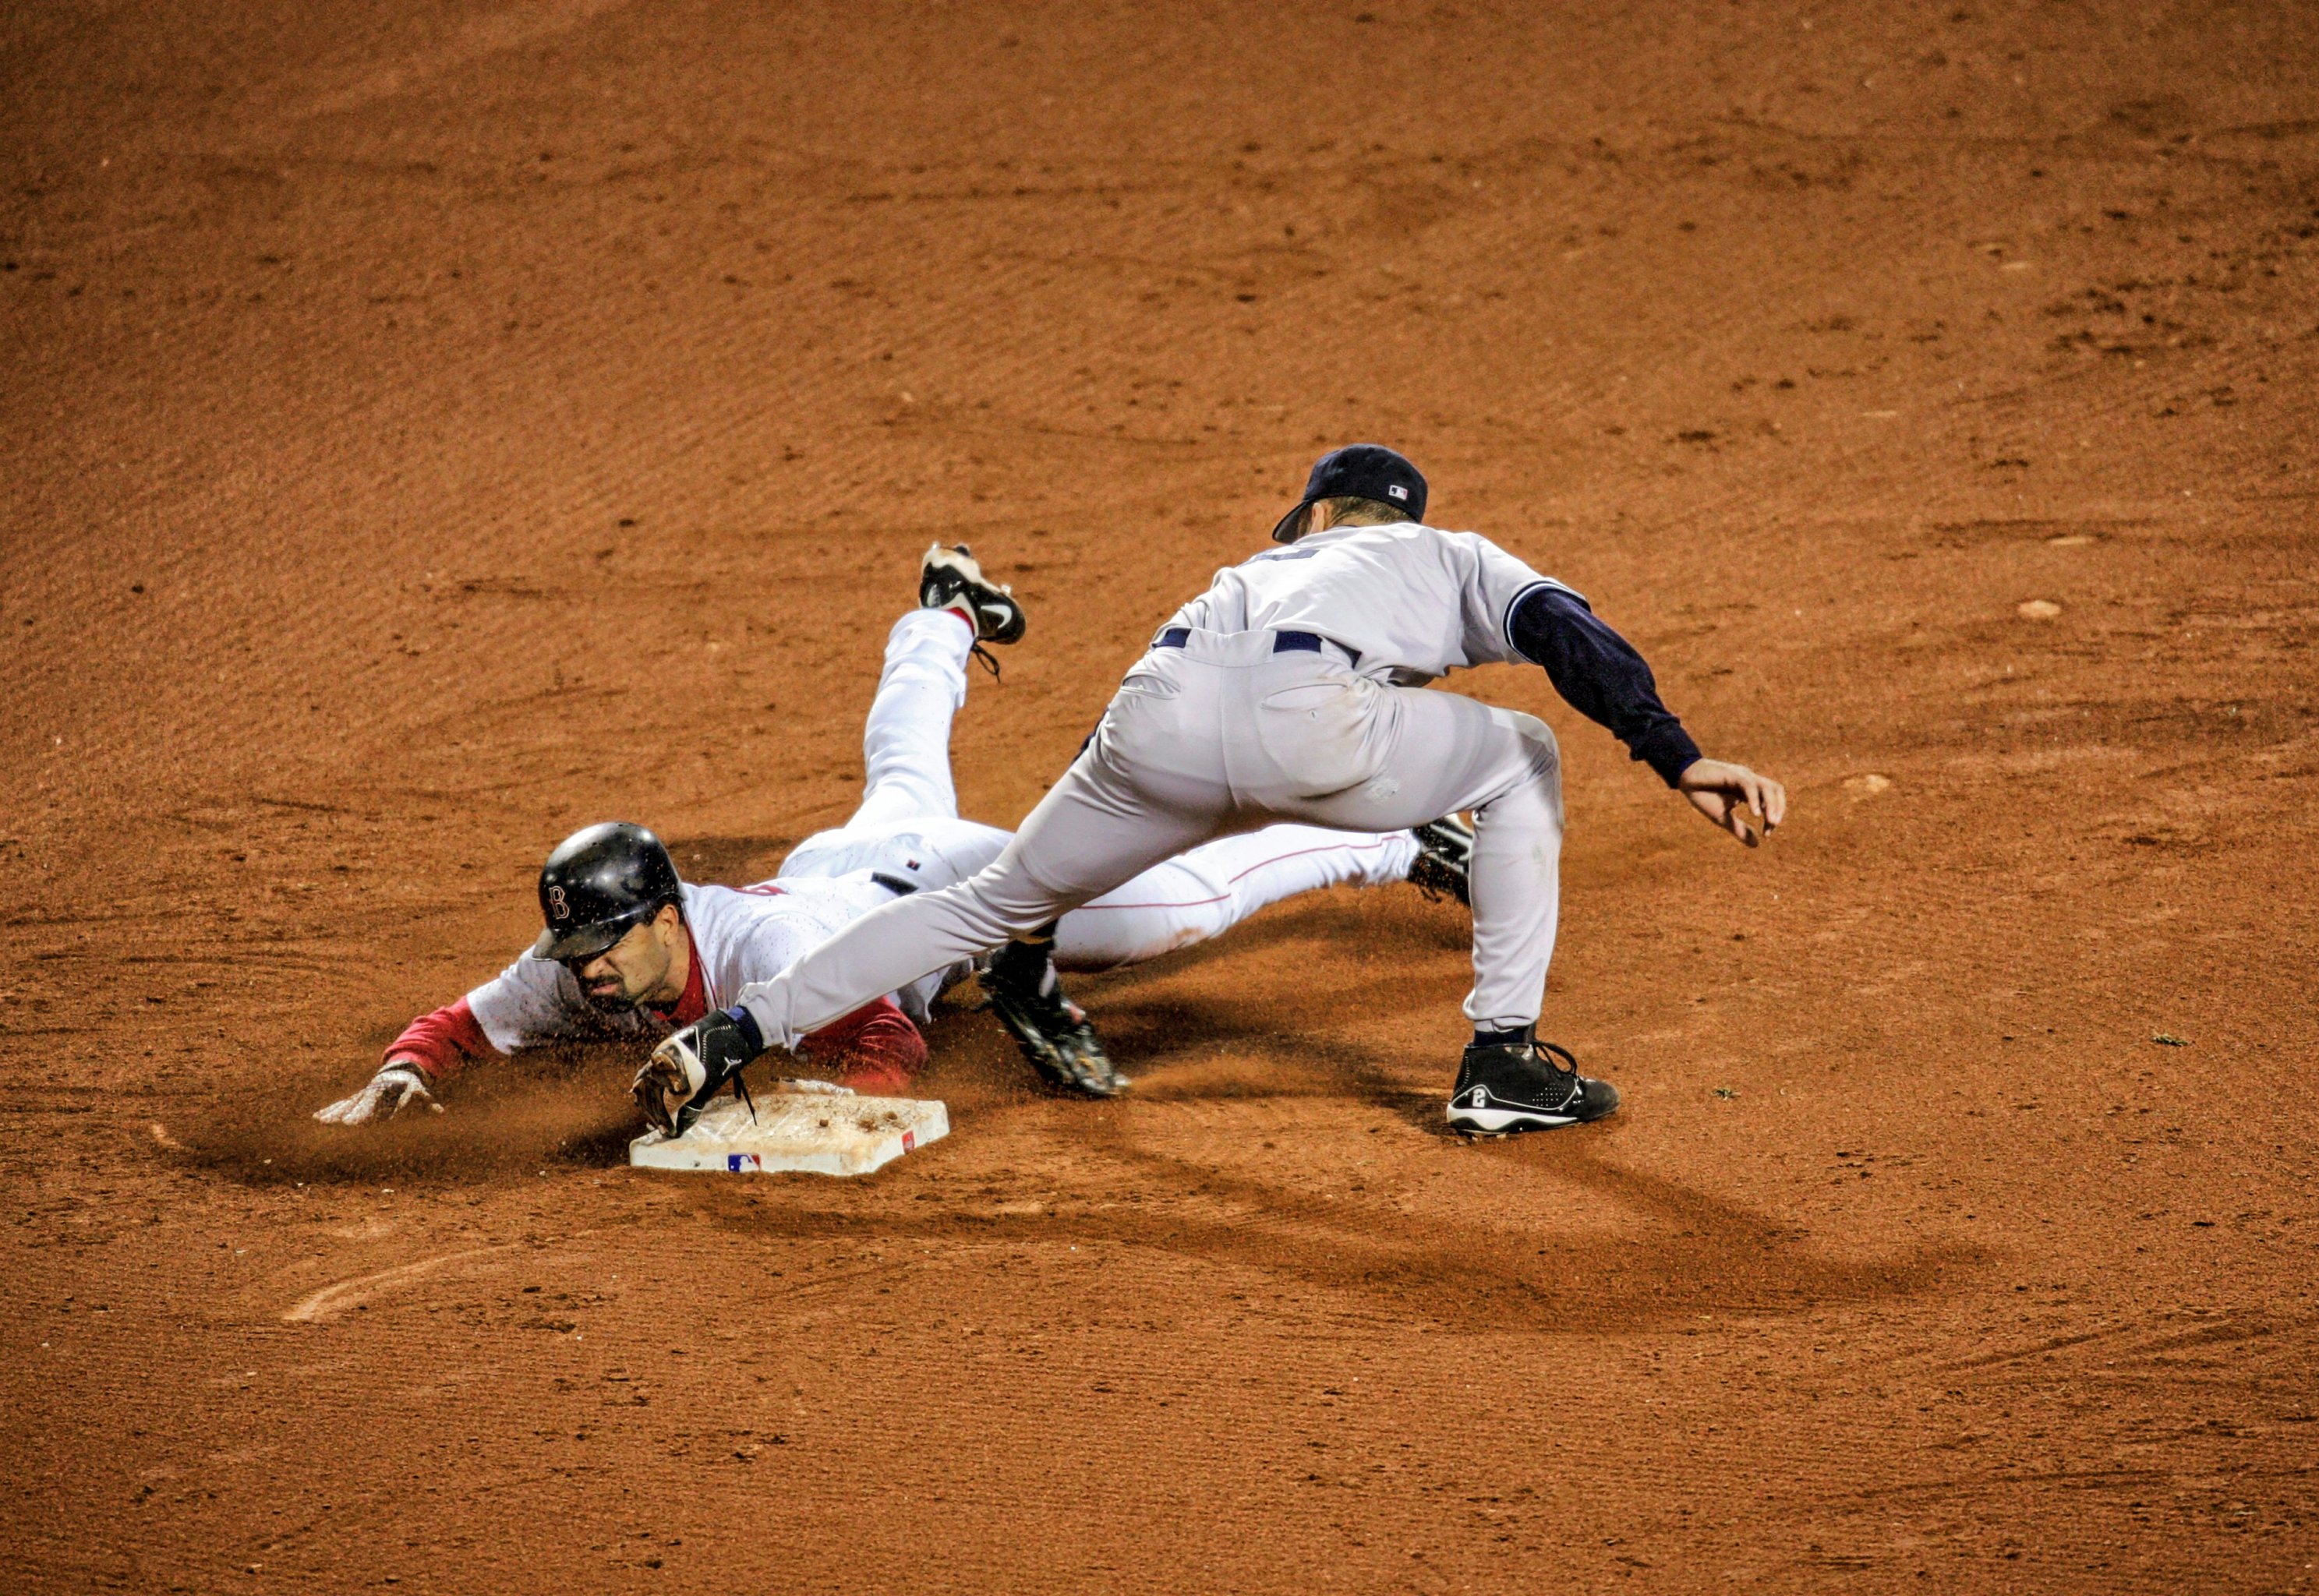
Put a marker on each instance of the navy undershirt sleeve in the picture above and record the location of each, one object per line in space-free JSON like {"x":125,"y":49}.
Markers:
{"x":1599,"y":674}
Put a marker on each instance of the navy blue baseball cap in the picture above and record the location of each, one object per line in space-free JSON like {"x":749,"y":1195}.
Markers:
{"x":1358,"y":471}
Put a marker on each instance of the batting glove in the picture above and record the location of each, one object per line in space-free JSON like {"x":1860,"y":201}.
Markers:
{"x":395,"y":1087}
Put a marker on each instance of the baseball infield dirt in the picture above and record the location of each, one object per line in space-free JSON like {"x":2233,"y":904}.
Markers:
{"x":436,"y":426}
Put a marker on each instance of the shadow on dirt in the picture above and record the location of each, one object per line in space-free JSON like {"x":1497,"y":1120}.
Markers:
{"x":554,"y":1106}
{"x":1345,"y":929}
{"x":1691,"y":1253}
{"x":1307,"y":970}
{"x":1171,"y":1047}
{"x":1696,"y":1253}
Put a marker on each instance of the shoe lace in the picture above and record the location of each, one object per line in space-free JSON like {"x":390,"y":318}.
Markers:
{"x":1563,"y":1065}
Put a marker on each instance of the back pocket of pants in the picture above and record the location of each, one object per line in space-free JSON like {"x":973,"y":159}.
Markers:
{"x":1315,"y":732}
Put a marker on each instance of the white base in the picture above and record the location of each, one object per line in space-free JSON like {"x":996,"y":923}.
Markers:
{"x":822,"y":1131}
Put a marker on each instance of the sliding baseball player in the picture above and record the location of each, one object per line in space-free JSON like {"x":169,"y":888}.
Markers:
{"x":630,"y":950}
{"x":1292,"y":690}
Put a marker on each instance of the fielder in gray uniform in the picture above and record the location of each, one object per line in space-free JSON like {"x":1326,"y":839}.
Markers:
{"x":1292,"y":690}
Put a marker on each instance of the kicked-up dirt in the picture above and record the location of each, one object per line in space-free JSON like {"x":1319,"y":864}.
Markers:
{"x":436,"y":425}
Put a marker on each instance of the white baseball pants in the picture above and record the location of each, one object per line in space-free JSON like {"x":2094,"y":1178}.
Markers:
{"x":1216,"y":737}
{"x":907,"y":825}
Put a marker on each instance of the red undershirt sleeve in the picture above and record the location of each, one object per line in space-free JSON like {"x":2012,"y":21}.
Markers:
{"x":441,"y":1042}
{"x":874,"y":1050}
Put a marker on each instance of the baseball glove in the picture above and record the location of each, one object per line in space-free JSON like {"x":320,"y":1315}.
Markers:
{"x":1052,"y":1030}
{"x":691,"y":1065}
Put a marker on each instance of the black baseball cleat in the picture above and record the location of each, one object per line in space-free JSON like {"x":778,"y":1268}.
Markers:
{"x":1506,"y":1088}
{"x":946,"y":575}
{"x":1052,"y":1030}
{"x":1445,"y":857}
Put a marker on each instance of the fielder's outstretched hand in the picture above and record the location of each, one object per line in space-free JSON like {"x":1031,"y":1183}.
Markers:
{"x":396,"y":1087}
{"x":1724,"y":793}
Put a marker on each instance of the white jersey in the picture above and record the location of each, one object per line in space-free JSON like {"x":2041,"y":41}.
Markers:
{"x":1412,"y":602}
{"x":740,"y":934}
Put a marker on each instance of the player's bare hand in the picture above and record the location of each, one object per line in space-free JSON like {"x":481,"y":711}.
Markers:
{"x":1724,"y":793}
{"x":396,"y":1087}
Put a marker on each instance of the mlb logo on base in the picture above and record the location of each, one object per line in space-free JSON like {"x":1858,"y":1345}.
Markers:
{"x":807,"y":1127}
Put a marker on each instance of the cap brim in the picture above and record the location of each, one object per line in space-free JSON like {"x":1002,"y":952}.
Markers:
{"x":581,"y":942}
{"x":1292,"y":525}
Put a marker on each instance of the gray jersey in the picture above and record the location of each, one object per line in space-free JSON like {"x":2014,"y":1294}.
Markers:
{"x":1413,"y":602}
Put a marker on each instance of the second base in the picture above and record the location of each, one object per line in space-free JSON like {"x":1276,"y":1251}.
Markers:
{"x":815,"y":1132}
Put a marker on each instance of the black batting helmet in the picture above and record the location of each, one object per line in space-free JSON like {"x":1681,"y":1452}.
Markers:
{"x":601,"y":881}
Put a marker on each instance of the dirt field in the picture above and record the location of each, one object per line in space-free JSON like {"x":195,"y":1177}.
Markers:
{"x":436,"y":426}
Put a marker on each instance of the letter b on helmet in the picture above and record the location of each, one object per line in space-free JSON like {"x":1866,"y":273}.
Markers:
{"x":599,"y":882}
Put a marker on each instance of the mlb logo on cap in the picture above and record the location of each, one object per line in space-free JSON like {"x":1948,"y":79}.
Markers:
{"x":1356,"y":471}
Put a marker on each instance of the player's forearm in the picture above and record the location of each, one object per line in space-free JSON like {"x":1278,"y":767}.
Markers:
{"x":439,"y":1043}
{"x":1601,"y":675}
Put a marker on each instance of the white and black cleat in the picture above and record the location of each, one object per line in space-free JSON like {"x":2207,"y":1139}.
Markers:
{"x":1444,"y":858}
{"x":1506,"y":1088}
{"x":948,"y":575}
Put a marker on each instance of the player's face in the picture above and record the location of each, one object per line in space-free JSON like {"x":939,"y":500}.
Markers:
{"x":632,"y":970}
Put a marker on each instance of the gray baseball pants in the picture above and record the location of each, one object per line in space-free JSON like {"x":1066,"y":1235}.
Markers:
{"x":1225,"y":734}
